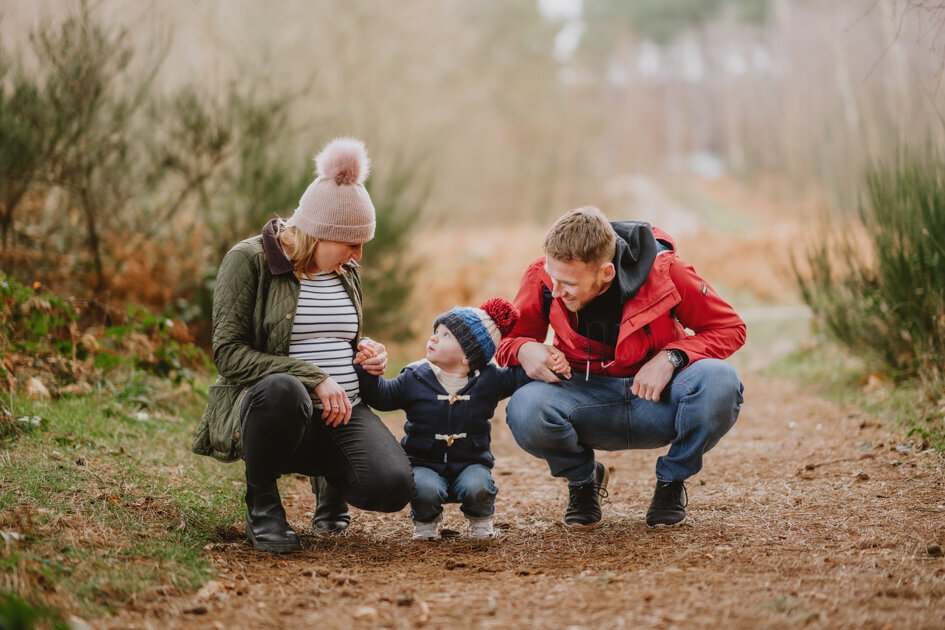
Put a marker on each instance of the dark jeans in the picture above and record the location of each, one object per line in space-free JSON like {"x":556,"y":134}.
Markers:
{"x":281,"y":436}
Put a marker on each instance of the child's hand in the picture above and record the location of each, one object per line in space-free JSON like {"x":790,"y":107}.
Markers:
{"x":560,"y":364}
{"x":372,"y":356}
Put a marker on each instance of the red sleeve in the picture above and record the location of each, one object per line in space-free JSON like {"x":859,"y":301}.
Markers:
{"x":719,"y":331}
{"x":532,"y":324}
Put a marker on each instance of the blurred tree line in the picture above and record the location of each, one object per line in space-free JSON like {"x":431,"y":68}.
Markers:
{"x":132,"y":160}
{"x":117,"y":191}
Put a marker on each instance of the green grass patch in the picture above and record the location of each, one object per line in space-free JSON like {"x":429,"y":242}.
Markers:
{"x":846,"y":378}
{"x":17,"y":613}
{"x":104,"y":502}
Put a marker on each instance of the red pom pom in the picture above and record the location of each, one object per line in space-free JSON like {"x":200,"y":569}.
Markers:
{"x":502,"y":312}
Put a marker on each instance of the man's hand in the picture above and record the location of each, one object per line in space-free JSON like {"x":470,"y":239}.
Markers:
{"x":649,"y":382}
{"x":372,"y":356}
{"x":540,"y":361}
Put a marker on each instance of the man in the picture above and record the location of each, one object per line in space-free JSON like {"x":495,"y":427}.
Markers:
{"x":619,"y":301}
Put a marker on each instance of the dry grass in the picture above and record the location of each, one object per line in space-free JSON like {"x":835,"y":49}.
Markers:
{"x":467,"y":265}
{"x":806,"y":515}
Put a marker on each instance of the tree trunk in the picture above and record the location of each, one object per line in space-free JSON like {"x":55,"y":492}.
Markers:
{"x":88,"y":209}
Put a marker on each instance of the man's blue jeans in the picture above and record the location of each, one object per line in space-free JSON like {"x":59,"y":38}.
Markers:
{"x":473,"y":489}
{"x":564,"y":422}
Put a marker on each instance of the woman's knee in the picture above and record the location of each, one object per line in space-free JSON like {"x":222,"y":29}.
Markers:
{"x":280,"y":396}
{"x":384,"y":490}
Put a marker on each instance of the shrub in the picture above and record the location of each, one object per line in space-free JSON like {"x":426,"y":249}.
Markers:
{"x":390,"y":265}
{"x":878,"y":286}
{"x":17,"y":613}
{"x":40,"y":335}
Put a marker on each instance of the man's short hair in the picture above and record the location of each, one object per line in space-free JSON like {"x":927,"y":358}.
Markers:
{"x":584,"y":234}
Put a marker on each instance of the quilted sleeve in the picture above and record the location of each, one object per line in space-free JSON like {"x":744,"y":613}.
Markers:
{"x":234,"y":307}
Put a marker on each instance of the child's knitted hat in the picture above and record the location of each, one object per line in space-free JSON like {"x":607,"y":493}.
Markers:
{"x":479,"y":330}
{"x":336,"y":206}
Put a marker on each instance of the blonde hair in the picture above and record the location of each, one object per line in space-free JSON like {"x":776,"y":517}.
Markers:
{"x":584,"y":234}
{"x":301,"y":249}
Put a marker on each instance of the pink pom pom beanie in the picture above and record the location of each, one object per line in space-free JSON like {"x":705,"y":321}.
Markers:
{"x":336,"y":206}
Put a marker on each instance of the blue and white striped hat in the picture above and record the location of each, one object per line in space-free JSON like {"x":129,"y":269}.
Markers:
{"x":479,"y":330}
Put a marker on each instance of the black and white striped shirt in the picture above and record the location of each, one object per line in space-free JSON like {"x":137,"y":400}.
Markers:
{"x":325,"y":325}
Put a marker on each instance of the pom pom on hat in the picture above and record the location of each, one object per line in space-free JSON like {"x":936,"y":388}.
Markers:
{"x":502,"y":312}
{"x":345,"y":161}
{"x":479,"y":330}
{"x":336,"y":206}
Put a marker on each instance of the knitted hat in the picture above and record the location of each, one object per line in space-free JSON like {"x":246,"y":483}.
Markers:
{"x":479,"y":330}
{"x":336,"y":206}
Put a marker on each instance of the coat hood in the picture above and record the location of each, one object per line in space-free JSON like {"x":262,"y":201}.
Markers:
{"x":636,"y":252}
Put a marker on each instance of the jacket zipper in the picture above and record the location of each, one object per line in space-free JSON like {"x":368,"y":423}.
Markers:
{"x":449,"y":431}
{"x":649,"y":340}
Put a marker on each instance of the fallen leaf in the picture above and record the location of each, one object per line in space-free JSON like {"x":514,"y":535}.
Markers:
{"x":209,"y":590}
{"x":35,"y":389}
{"x":366,"y":613}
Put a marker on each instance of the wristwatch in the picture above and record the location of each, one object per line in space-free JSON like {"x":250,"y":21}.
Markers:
{"x":677,"y":358}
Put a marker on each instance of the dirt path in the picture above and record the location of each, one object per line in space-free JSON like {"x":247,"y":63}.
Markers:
{"x":805,"y":515}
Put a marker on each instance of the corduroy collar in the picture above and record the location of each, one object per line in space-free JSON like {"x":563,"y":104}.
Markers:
{"x":278,"y":262}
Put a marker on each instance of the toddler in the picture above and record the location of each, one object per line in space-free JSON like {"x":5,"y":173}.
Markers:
{"x":449,"y":398}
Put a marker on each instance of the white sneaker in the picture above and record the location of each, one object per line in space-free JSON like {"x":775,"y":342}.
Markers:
{"x":427,"y":531}
{"x":480,"y":528}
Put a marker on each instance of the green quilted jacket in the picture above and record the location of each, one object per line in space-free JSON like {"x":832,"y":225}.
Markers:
{"x":254,"y":306}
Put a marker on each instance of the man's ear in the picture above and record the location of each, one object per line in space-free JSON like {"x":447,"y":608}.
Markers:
{"x":608,"y":272}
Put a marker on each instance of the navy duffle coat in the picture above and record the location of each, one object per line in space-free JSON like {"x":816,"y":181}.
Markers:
{"x":443,"y":432}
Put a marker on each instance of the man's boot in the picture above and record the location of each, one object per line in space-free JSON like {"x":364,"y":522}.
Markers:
{"x":331,"y":511}
{"x":266,"y":526}
{"x":668,"y":507}
{"x":584,"y":499}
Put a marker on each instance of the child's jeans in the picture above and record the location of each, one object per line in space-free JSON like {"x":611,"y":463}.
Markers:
{"x":473,"y":488}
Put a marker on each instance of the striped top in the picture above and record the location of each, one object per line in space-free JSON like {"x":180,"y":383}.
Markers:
{"x":325,"y":325}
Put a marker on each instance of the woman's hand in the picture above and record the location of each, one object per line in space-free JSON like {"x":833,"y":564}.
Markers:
{"x":372,"y":356}
{"x":336,"y":408}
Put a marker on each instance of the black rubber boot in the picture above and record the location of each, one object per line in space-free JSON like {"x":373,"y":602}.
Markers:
{"x":266,"y":526}
{"x":331,"y":511}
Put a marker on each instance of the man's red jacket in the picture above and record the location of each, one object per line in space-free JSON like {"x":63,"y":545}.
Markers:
{"x":672,"y":299}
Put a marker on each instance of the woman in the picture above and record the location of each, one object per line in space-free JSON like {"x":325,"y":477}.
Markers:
{"x":287,"y":324}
